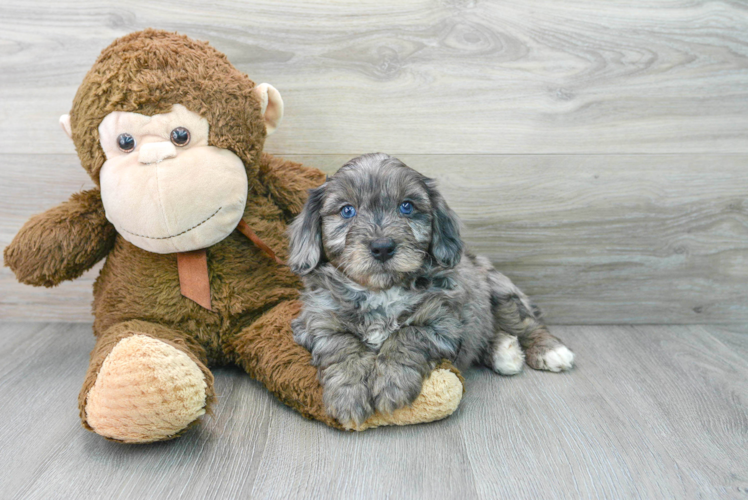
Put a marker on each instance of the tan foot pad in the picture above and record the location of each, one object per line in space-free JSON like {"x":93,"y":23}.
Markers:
{"x":440,"y":396}
{"x":146,"y":391}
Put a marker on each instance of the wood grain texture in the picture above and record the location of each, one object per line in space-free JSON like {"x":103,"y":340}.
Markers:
{"x":422,"y":77}
{"x":649,"y":412}
{"x":593,"y":239}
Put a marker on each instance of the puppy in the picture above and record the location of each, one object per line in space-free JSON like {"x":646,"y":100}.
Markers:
{"x":390,"y":291}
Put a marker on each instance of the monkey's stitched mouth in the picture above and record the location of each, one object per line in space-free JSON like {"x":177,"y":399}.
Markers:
{"x":174,"y":235}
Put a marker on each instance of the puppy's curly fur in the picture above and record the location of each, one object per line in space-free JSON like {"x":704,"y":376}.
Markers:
{"x":376,"y":325}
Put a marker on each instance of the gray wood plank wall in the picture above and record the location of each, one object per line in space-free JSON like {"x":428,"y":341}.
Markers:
{"x":596,"y":150}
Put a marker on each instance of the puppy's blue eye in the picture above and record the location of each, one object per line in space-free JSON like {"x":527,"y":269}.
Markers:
{"x":347,"y":212}
{"x":406,"y":208}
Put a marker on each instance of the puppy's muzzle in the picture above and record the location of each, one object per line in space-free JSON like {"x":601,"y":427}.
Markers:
{"x":382,"y":249}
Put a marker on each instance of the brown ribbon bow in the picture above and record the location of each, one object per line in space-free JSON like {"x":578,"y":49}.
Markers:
{"x":192,"y":267}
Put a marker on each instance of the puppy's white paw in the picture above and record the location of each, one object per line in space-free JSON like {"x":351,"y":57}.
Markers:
{"x":558,"y":359}
{"x":508,"y":358}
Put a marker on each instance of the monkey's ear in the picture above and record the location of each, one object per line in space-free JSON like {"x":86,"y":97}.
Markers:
{"x":305,"y":252}
{"x":65,"y":124}
{"x":271,"y":105}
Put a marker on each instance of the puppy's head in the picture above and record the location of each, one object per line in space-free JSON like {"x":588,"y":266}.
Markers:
{"x":376,"y":220}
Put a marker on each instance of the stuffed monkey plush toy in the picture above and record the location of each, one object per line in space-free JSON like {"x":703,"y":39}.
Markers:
{"x":191,"y":216}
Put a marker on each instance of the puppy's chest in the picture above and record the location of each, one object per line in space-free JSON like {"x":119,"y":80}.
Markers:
{"x":379,"y":314}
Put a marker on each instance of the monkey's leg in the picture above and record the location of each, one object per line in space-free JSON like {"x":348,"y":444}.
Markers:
{"x":516,"y":317}
{"x":267,"y":351}
{"x":145,"y":383}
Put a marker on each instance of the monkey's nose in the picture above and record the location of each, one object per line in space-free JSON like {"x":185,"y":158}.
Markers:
{"x":154,"y":152}
{"x":382,"y":249}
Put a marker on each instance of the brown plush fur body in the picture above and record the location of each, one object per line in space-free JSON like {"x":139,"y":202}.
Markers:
{"x":245,"y":282}
{"x":137,"y":292}
{"x":253,"y":301}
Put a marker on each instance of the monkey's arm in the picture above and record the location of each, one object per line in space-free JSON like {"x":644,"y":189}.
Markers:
{"x":61,"y":243}
{"x":288,"y":182}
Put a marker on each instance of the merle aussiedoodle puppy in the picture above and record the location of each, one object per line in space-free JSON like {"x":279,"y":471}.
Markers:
{"x":390,"y":291}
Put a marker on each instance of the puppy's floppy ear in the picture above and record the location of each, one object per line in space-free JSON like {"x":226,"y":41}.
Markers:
{"x":446,"y":244}
{"x":305,"y":232}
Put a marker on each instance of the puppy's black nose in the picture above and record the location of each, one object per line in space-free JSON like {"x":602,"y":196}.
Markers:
{"x":382,"y":249}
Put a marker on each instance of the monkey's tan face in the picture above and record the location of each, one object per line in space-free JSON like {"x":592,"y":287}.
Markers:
{"x":163,"y":187}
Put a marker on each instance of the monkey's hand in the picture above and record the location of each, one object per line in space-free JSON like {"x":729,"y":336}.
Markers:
{"x":288,"y":182}
{"x":61,"y":243}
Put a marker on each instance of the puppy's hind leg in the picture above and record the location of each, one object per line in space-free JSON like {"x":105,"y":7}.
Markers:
{"x":546,"y":352}
{"x":516,"y":316}
{"x":505,"y":356}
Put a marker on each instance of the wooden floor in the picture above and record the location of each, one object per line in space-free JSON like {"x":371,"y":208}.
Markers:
{"x":649,"y":412}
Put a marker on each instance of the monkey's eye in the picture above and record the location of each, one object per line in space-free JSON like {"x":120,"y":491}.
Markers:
{"x":347,"y":212}
{"x":406,"y":208}
{"x":180,"y":136}
{"x":126,"y":143}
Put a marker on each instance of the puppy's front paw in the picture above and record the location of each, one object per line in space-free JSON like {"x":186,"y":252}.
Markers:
{"x":395,"y":386}
{"x":349,"y":404}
